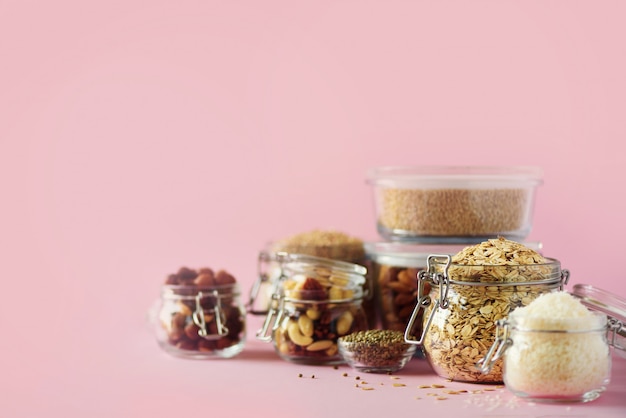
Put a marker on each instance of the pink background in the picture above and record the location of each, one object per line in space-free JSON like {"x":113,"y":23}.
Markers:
{"x":139,"y":136}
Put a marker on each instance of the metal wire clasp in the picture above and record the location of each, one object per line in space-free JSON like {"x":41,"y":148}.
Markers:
{"x":424,"y":300}
{"x":220,"y":319}
{"x":497,"y":349}
{"x":616,"y":328}
{"x":272,"y":320}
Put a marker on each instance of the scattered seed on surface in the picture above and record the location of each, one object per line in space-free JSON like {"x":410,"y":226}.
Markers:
{"x":367,"y":388}
{"x":441,"y":398}
{"x":345,"y":374}
{"x":357,"y":377}
{"x":299,"y":374}
{"x":312,"y":376}
{"x":435,"y":386}
{"x":424,"y":386}
{"x":398,"y":385}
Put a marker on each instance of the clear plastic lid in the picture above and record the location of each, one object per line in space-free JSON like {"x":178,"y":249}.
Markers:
{"x":455,"y":176}
{"x":610,"y":304}
{"x":397,"y":253}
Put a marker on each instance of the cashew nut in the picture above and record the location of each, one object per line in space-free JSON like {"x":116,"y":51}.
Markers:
{"x":314,"y":314}
{"x":335,"y":293}
{"x":305,"y":324}
{"x":332,"y":350}
{"x":344,"y":322}
{"x":293,"y":330}
{"x":320,"y":345}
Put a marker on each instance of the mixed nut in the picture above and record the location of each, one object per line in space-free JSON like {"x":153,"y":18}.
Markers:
{"x":314,"y":317}
{"x":200,"y":314}
{"x":329,"y":244}
{"x":397,"y":290}
{"x":317,"y":301}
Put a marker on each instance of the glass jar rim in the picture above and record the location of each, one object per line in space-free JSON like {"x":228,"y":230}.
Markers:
{"x":326,"y":302}
{"x":178,"y":291}
{"x":305,"y":259}
{"x":412,"y":254}
{"x":553,"y":274}
{"x":447,"y":175}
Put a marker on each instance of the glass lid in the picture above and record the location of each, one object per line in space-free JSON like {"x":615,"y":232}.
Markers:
{"x":612,"y":305}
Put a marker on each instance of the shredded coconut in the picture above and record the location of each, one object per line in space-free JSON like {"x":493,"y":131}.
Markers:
{"x":545,"y":362}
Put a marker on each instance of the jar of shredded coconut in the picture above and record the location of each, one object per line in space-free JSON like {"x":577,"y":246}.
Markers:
{"x":556,"y":349}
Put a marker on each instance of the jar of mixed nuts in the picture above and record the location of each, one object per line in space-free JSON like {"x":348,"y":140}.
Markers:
{"x":330,"y":244}
{"x":394,"y":268}
{"x":200,"y":315}
{"x":316,"y":301}
{"x":469,"y":293}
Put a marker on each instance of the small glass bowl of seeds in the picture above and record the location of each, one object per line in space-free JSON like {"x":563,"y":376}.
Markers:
{"x":375,"y":350}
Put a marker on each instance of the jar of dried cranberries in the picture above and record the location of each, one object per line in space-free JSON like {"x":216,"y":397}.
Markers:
{"x":316,"y":301}
{"x":200,"y":315}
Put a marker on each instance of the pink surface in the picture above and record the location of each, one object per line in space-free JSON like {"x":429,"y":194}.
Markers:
{"x":136,"y":137}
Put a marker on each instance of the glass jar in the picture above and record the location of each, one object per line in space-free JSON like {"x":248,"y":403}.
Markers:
{"x":316,"y":301}
{"x":323,"y":244}
{"x":394,"y":268}
{"x":465,"y":302}
{"x":453,"y":204}
{"x":561,"y":360}
{"x":201,"y":321}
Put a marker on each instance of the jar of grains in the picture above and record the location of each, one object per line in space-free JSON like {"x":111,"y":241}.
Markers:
{"x":200,"y":314}
{"x":557,"y":349}
{"x":316,"y":301}
{"x":331,"y":244}
{"x":469,"y":292}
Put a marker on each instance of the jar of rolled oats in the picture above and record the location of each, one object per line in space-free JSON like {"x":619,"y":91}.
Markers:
{"x":316,"y":300}
{"x":469,"y":293}
{"x":394,"y":267}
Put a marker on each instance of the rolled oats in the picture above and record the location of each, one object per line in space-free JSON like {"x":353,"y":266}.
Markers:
{"x":485,"y":283}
